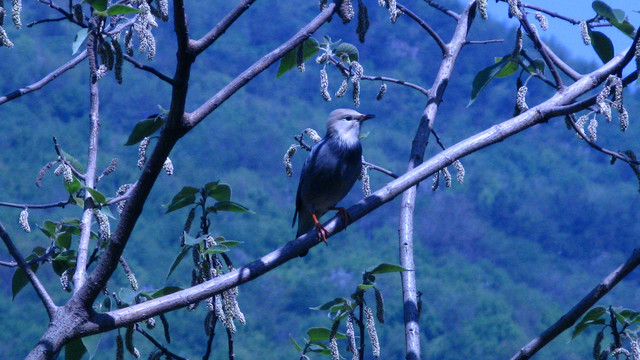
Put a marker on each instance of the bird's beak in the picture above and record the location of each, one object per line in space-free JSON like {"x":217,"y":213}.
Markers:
{"x":365,"y":117}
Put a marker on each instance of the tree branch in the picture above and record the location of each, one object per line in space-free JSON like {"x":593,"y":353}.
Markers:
{"x":144,"y":67}
{"x":200,"y":45}
{"x":292,"y":249}
{"x":45,"y":80}
{"x":425,"y":26}
{"x":210,"y":105}
{"x":568,"y":319}
{"x":89,"y":177}
{"x":44,"y":296}
{"x":36,"y":206}
{"x":446,"y":11}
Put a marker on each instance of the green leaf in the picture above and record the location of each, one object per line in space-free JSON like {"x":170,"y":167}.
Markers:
{"x":322,"y":334}
{"x":220,"y":192}
{"x":74,"y":350}
{"x":127,"y":296}
{"x":385,"y":268}
{"x":50,"y":226}
{"x":186,"y":197}
{"x":64,"y":240}
{"x":295,"y":344}
{"x":119,"y":9}
{"x":73,"y":161}
{"x":229,"y":243}
{"x":60,"y":265}
{"x":594,"y":313}
{"x":230,"y":206}
{"x":484,"y":76}
{"x":615,"y":16}
{"x":508,"y":69}
{"x":537,"y":64}
{"x":327,"y":306}
{"x":288,"y":61}
{"x":365,"y":286}
{"x":629,"y":314}
{"x":349,"y":49}
{"x":81,"y":35}
{"x":145,"y":128}
{"x":190,"y":240}
{"x":20,"y":279}
{"x":216,"y":249}
{"x":578,"y":329}
{"x":91,"y":344}
{"x":74,"y":187}
{"x":100,"y":5}
{"x":176,"y":262}
{"x":601,"y":8}
{"x":165,"y":291}
{"x":602,"y":45}
{"x":97,"y":196}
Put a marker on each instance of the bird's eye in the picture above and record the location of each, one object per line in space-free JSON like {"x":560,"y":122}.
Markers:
{"x":348,"y":118}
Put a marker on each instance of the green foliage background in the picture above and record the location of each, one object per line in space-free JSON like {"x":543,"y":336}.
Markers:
{"x":539,"y":220}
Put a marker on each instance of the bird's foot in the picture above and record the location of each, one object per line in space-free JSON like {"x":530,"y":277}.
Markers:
{"x":322,"y":232}
{"x":344,"y":215}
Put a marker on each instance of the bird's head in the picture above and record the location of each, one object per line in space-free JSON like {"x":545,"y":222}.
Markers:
{"x":344,"y":125}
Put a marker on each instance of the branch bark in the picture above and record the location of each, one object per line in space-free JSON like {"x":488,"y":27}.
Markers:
{"x":568,"y":319}
{"x":292,"y":249}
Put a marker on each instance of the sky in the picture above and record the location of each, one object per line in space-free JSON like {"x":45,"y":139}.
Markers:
{"x":569,"y":35}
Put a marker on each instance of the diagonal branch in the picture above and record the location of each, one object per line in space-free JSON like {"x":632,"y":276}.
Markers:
{"x":292,"y":249}
{"x":89,"y":177}
{"x":198,"y":46}
{"x":210,"y":105}
{"x":568,"y":319}
{"x":150,"y":69}
{"x":425,"y":26}
{"x":44,"y":296}
{"x":45,"y":80}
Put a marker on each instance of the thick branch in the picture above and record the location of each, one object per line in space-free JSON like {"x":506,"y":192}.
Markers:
{"x":568,"y":319}
{"x":45,"y":80}
{"x":291,"y":250}
{"x":89,"y":177}
{"x":209,"y":38}
{"x":420,"y":141}
{"x":203,"y":111}
{"x":48,"y":303}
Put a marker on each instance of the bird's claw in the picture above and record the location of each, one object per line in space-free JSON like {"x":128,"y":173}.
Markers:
{"x":344,"y":215}
{"x":320,"y":230}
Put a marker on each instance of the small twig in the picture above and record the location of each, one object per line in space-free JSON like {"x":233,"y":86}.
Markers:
{"x":345,"y":69}
{"x":541,"y":49}
{"x":61,"y":204}
{"x":207,"y":353}
{"x":45,"y":80}
{"x":64,"y":160}
{"x":46,"y":21}
{"x":155,"y":72}
{"x":551,"y":13}
{"x":232,"y":354}
{"x":425,"y":26}
{"x":482,"y":42}
{"x":198,"y":46}
{"x":157,"y":344}
{"x":443,"y":9}
{"x":44,"y":296}
{"x":66,"y":14}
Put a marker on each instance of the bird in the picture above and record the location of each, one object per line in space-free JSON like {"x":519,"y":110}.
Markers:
{"x":329,"y":172}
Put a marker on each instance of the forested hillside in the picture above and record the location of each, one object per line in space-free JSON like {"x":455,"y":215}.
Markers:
{"x":539,"y":220}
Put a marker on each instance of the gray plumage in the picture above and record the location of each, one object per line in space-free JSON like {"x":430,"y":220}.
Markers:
{"x":331,"y":169}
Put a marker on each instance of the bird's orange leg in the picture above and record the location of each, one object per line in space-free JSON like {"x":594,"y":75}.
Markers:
{"x":322,"y":232}
{"x":344,"y":215}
